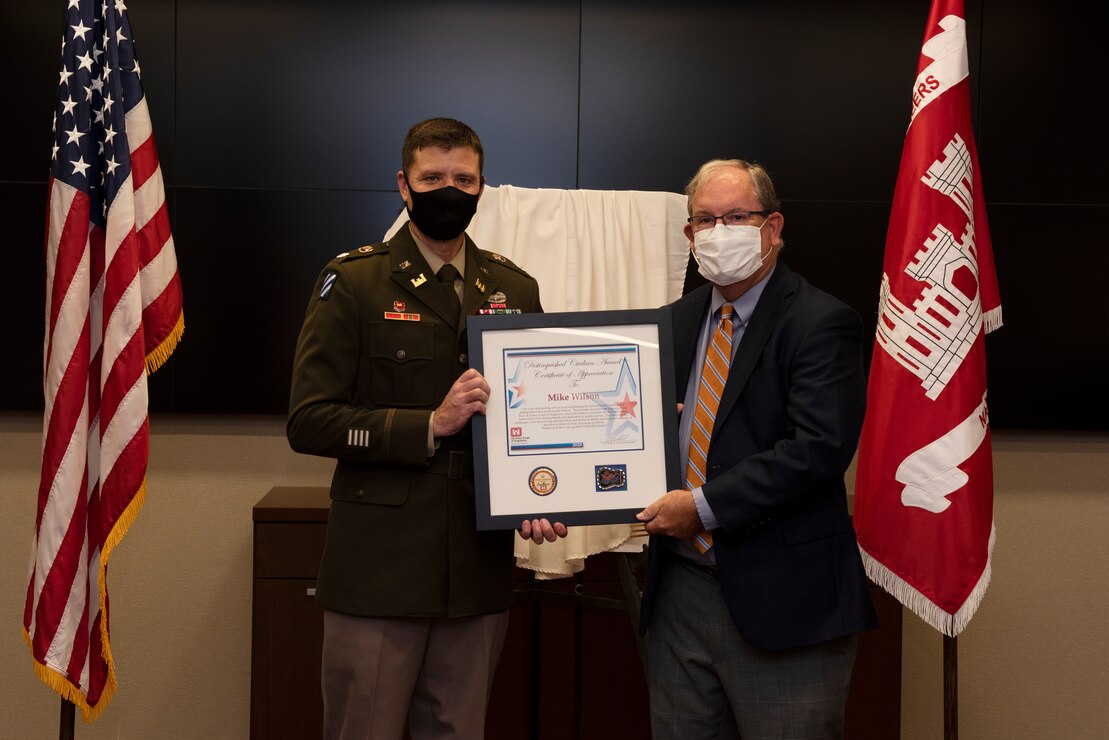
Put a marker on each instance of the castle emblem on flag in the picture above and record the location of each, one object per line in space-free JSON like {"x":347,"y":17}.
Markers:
{"x":932,"y":338}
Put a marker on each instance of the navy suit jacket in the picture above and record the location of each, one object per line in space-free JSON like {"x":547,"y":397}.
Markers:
{"x":785,"y":433}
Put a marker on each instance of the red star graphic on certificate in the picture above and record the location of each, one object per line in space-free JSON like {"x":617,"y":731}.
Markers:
{"x":627,"y":406}
{"x":520,"y":389}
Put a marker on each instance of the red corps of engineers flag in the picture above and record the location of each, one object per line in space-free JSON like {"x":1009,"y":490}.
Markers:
{"x":113,"y":314}
{"x":924,"y":479}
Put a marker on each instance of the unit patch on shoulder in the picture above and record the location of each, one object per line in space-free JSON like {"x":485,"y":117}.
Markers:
{"x":328,"y":282}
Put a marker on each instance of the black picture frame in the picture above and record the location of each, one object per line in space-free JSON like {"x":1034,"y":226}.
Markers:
{"x":503,"y":497}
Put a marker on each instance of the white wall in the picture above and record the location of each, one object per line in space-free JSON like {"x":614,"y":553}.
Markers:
{"x":1032,"y":663}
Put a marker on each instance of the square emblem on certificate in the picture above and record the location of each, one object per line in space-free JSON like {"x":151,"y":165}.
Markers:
{"x":581,"y":425}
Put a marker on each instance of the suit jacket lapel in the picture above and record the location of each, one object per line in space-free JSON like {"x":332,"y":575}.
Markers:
{"x":772,"y":304}
{"x":687,"y":319}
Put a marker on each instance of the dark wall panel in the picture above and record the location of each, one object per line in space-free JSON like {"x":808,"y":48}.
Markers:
{"x":1048,"y":365}
{"x":1043,"y":77}
{"x":249,"y":260}
{"x":31,"y":93}
{"x":279,"y":126}
{"x":22,"y":302}
{"x":817,"y":92}
{"x":320,"y":95}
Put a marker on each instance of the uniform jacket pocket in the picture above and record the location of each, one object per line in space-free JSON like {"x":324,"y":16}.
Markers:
{"x":401,"y":363}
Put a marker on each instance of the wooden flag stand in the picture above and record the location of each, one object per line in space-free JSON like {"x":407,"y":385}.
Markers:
{"x":65,"y":722}
{"x":950,"y":689}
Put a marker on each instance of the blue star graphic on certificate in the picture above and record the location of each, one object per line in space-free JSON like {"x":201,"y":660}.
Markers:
{"x":620,"y":402}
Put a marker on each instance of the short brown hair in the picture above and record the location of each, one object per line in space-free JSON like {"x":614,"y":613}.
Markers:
{"x":760,"y":179}
{"x":445,"y":133}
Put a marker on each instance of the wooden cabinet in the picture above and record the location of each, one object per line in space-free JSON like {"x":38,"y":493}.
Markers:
{"x":571,"y":666}
{"x":287,"y":625}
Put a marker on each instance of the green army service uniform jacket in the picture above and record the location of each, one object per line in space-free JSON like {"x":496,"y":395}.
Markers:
{"x":378,"y":352}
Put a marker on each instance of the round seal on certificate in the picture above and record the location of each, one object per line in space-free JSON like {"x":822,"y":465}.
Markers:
{"x":542,"y":481}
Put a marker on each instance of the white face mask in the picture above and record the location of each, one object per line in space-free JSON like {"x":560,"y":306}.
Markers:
{"x":728,"y":254}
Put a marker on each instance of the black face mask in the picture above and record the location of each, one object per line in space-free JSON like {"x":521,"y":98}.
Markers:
{"x":443,"y":213}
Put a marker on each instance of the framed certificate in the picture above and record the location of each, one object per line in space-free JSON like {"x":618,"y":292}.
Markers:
{"x":581,"y":425}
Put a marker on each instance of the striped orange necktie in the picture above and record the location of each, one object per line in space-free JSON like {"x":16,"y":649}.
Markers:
{"x":713,"y":377}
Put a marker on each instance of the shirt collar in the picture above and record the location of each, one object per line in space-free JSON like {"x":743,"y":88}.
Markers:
{"x":744,"y":306}
{"x":434,"y":261}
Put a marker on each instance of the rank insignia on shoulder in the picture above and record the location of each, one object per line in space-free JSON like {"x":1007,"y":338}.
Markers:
{"x":479,"y":285}
{"x":328,"y":282}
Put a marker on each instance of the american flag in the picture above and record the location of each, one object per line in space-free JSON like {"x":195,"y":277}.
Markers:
{"x":113,"y":315}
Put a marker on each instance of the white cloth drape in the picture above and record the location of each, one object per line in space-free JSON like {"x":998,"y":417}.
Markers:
{"x":590,"y":250}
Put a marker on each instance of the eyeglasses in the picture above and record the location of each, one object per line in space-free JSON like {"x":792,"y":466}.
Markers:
{"x":735,"y":218}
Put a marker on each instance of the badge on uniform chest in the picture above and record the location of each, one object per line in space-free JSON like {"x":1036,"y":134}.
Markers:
{"x":398,"y":313}
{"x":497,"y":305}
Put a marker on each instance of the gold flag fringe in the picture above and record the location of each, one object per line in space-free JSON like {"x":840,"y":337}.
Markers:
{"x":57,"y":679}
{"x":161,"y":353}
{"x":916,"y":602}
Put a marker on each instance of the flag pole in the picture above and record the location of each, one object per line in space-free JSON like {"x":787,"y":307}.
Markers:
{"x":950,"y":689}
{"x":65,"y":722}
